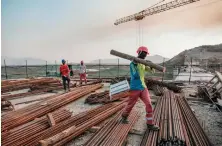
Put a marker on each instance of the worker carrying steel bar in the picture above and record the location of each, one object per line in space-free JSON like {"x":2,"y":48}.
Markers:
{"x":138,"y":89}
{"x":64,"y":72}
{"x":82,"y":72}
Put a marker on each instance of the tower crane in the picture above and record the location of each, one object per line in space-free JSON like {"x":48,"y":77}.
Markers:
{"x":154,"y":10}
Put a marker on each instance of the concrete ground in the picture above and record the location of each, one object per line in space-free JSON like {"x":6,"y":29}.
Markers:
{"x":204,"y":112}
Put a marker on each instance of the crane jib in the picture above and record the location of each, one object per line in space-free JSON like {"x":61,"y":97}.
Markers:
{"x":154,"y":10}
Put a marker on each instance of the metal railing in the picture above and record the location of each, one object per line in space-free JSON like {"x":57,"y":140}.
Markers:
{"x":96,"y":70}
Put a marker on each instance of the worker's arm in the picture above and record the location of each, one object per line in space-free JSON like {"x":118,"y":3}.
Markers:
{"x":149,"y":69}
{"x":134,"y":71}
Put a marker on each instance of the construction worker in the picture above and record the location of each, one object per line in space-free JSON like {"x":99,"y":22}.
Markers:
{"x":64,"y":71}
{"x":82,"y":72}
{"x":138,"y":89}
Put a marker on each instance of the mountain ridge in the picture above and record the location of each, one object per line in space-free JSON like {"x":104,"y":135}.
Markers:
{"x":203,"y":54}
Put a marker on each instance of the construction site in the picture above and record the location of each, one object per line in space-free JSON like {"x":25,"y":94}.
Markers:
{"x":185,"y":93}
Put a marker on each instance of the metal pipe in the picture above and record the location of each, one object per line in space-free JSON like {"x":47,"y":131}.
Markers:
{"x":145,"y":62}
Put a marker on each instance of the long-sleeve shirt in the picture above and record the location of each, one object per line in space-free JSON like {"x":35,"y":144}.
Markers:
{"x":64,"y":70}
{"x":137,"y":74}
{"x":82,"y":69}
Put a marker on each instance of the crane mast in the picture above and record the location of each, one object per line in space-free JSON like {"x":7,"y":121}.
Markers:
{"x":154,"y":10}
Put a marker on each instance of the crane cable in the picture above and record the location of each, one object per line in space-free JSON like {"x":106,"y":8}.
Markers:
{"x":140,"y":28}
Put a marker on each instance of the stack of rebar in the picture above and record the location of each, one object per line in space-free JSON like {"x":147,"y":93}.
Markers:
{"x":81,"y":122}
{"x":158,"y":90}
{"x":103,"y":97}
{"x":97,"y":97}
{"x":32,"y":128}
{"x":36,"y":86}
{"x":92,"y":82}
{"x":84,"y":125}
{"x":114,"y":132}
{"x":170,"y":86}
{"x":24,"y":84}
{"x":16,"y":118}
{"x":178,"y":124}
{"x":195,"y":133}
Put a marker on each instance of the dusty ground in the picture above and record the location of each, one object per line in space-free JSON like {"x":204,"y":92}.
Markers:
{"x":208,"y":116}
{"x":204,"y":112}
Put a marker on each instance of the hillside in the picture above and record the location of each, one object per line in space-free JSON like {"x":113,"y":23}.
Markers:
{"x":154,"y":59}
{"x":207,"y":53}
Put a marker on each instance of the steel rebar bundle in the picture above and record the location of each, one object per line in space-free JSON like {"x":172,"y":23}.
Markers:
{"x":91,"y":83}
{"x":15,"y":82}
{"x":40,"y":91}
{"x":158,"y":90}
{"x":196,"y":134}
{"x":103,"y":97}
{"x":32,"y":128}
{"x":102,"y":116}
{"x":23,"y":84}
{"x":178,"y":124}
{"x":82,"y":122}
{"x":170,"y":86}
{"x":16,"y":118}
{"x":114,"y":132}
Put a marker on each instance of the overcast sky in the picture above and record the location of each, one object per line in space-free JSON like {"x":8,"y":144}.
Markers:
{"x":83,"y":29}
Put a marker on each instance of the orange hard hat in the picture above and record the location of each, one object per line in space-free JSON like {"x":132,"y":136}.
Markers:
{"x":142,"y":48}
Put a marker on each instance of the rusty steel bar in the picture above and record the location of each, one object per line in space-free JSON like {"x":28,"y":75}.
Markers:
{"x":178,"y":124}
{"x":27,"y":84}
{"x":44,"y":107}
{"x":104,"y":131}
{"x":125,"y":129}
{"x":116,"y":134}
{"x":89,"y":124}
{"x":36,"y":126}
{"x":156,"y":121}
{"x":198,"y":130}
{"x":103,"y":97}
{"x":77,"y":120}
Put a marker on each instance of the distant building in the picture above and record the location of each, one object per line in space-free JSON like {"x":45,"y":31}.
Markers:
{"x":195,"y":62}
{"x":215,"y":67}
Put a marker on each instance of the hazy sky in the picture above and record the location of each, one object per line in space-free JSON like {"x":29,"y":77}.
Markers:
{"x":83,"y":29}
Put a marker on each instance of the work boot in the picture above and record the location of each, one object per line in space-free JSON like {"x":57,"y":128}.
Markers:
{"x":124,"y":120}
{"x":153,"y":127}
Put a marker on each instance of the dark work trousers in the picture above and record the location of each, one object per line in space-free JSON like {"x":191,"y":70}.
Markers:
{"x":64,"y":79}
